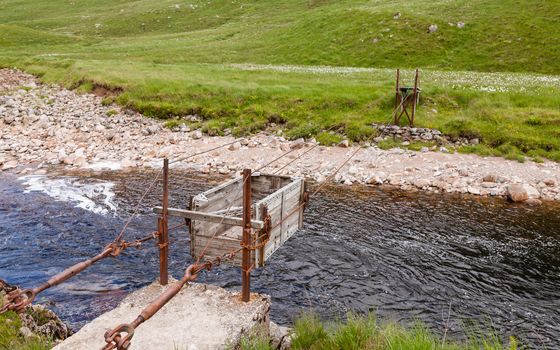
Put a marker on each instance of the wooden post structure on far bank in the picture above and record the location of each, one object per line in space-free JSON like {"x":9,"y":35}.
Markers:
{"x":245,"y":265}
{"x":163,"y":240}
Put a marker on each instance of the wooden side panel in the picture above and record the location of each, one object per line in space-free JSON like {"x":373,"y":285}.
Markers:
{"x":217,"y":198}
{"x":285,"y":217}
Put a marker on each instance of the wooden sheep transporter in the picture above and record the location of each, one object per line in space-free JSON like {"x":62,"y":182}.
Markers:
{"x":216,"y":223}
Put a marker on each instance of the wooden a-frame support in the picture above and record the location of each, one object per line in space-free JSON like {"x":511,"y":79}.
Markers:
{"x":406,"y":100}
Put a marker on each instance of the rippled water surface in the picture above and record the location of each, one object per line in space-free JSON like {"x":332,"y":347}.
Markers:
{"x":405,"y":256}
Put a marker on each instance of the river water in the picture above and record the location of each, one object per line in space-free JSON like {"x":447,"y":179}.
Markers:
{"x":405,"y":256}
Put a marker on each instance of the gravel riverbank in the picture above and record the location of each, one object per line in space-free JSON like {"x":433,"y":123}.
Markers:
{"x":45,"y":125}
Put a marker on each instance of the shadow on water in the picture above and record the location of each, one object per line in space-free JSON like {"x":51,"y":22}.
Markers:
{"x":406,"y":256}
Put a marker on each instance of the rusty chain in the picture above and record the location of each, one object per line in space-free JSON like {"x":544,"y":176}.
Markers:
{"x":18,"y":299}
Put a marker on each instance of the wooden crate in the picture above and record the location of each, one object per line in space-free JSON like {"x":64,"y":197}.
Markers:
{"x":281,"y":196}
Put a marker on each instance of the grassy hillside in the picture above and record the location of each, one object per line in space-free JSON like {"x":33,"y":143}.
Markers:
{"x":233,"y":62}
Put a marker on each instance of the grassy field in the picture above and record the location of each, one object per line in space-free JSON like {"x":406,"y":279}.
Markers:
{"x":307,"y":66}
{"x":365,"y":332}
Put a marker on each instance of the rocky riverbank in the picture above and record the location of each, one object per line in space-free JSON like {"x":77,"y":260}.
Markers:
{"x":36,"y":326}
{"x":45,"y":125}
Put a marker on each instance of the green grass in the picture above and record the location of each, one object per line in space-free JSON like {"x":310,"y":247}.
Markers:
{"x":10,"y":338}
{"x":245,"y":66}
{"x":366,"y":332}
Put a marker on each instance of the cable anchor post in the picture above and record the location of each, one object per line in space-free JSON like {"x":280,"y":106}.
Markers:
{"x":247,"y":230}
{"x":163,"y":232}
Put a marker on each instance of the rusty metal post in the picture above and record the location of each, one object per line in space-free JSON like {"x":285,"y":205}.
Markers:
{"x":245,"y":265}
{"x":162,"y":228}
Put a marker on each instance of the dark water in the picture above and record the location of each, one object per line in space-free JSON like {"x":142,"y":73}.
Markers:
{"x":405,"y":256}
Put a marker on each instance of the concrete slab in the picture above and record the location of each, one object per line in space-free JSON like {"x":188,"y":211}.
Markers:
{"x":200,"y":317}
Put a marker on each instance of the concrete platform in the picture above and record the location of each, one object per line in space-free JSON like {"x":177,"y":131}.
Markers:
{"x":200,"y":317}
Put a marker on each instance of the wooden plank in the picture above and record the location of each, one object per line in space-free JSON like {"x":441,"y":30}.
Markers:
{"x":196,"y":215}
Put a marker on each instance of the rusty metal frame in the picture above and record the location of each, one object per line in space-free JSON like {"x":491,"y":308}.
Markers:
{"x":163,"y":220}
{"x":247,"y":231}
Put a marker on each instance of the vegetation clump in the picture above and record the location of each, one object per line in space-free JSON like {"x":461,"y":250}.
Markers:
{"x":367,"y":333}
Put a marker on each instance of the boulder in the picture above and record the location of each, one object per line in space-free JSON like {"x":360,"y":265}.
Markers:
{"x":517,"y":193}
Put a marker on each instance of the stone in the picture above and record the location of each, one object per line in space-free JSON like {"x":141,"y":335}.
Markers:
{"x":152,"y":129}
{"x":9,"y":119}
{"x":516,"y":193}
{"x":109,"y":136}
{"x":473,"y":190}
{"x":432,"y":28}
{"x":319,"y":178}
{"x":26,"y":332}
{"x":278,"y":335}
{"x":405,"y":143}
{"x":443,"y":149}
{"x":344,"y":144}
{"x":474,"y":141}
{"x":29,"y":119}
{"x":533,"y":201}
{"x":550,"y":182}
{"x":460,"y":25}
{"x":297,"y":144}
{"x":10,"y":165}
{"x":397,"y":15}
{"x":427,"y":136}
{"x":421,"y":183}
{"x":235,"y":146}
{"x":424,"y":149}
{"x":284,"y":147}
{"x":197,"y":134}
{"x":531,"y":191}
{"x":490,"y":178}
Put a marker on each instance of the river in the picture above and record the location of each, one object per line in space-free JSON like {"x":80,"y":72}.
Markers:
{"x":405,"y":256}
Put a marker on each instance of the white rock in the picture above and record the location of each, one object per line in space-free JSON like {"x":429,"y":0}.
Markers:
{"x":344,"y":144}
{"x":196,"y":135}
{"x":531,"y":191}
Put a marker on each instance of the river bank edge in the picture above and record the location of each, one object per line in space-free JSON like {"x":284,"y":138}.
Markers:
{"x":45,"y":125}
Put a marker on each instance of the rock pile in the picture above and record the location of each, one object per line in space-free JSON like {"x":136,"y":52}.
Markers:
{"x":406,"y":133}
